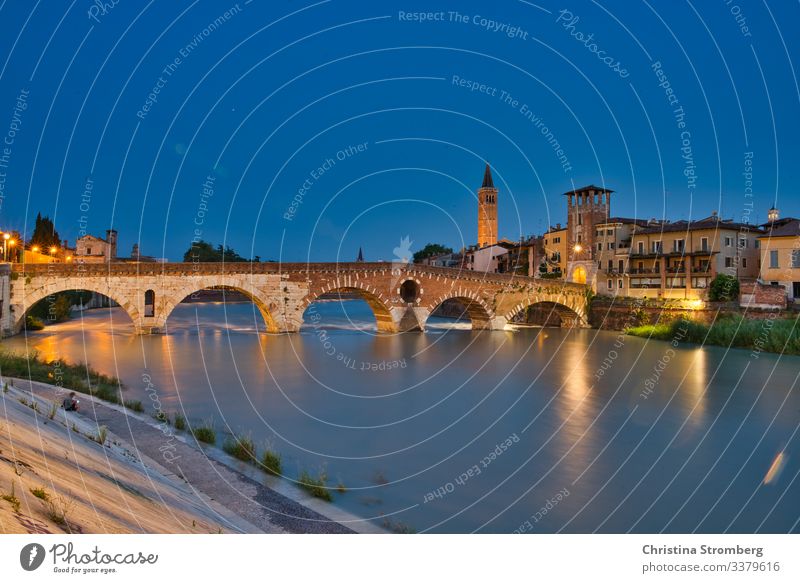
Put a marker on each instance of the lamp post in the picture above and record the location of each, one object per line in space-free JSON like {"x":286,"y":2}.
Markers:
{"x":6,"y":238}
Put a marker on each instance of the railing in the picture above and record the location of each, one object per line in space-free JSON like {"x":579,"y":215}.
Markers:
{"x":645,"y":285}
{"x":643,"y":270}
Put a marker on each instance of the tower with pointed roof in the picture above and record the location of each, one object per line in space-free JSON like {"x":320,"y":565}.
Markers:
{"x":487,"y":210}
{"x":360,"y":258}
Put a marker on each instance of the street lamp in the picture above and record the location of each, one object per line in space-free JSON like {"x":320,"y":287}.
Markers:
{"x":6,"y":237}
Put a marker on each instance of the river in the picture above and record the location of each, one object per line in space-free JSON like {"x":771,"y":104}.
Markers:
{"x":533,"y":430}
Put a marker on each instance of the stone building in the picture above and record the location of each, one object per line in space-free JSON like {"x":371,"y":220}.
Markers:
{"x":487,"y":210}
{"x":91,"y":249}
{"x":678,"y":260}
{"x":780,"y":255}
{"x":554,"y":254}
{"x":612,"y":249}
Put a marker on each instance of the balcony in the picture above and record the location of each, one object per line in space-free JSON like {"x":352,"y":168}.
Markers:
{"x":676,"y":269}
{"x":701,"y":269}
{"x":635,"y":285}
{"x":643,"y":271}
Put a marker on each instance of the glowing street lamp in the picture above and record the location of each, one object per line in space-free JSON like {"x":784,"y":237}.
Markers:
{"x":35,"y":248}
{"x":53,"y":250}
{"x":578,"y":248}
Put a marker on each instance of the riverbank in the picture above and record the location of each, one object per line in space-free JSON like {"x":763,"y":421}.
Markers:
{"x":62,"y":473}
{"x":781,"y":336}
{"x":242,"y":498}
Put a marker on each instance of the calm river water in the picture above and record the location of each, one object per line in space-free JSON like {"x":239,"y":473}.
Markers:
{"x":455,"y":431}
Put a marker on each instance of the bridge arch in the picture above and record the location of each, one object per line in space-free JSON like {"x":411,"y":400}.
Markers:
{"x":169,"y":303}
{"x":377,"y":302}
{"x":479,"y":313}
{"x":33,"y":295}
{"x":553,"y":312}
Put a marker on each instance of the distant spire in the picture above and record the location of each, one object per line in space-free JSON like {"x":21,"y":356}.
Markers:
{"x":487,"y":178}
{"x":360,"y":258}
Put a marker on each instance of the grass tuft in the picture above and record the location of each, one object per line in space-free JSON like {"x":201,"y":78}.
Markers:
{"x":134,"y":406}
{"x":180,"y":422}
{"x":102,"y":434}
{"x":205,"y":433}
{"x":271,"y":462}
{"x":11,"y":498}
{"x":240,"y":447}
{"x":317,"y":487}
{"x":40,"y":493}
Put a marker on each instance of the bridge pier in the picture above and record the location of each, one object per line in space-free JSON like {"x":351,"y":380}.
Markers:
{"x":409,"y":319}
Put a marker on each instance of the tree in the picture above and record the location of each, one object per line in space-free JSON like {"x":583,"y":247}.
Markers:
{"x":44,"y":233}
{"x":431,"y":250}
{"x":723,"y":288}
{"x":204,"y":252}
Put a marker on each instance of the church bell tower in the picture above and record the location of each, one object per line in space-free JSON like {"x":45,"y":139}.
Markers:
{"x":487,"y":210}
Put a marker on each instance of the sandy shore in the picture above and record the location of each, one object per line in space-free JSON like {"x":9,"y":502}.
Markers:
{"x":144,"y":478}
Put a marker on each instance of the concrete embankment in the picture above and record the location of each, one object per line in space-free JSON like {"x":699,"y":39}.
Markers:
{"x":144,"y":478}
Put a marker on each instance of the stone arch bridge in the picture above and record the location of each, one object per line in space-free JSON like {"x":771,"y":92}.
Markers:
{"x":401,"y":296}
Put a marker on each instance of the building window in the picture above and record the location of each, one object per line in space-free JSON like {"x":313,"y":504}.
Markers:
{"x":677,"y":245}
{"x":640,"y":248}
{"x":744,"y":262}
{"x":619,"y":283}
{"x":773,"y":259}
{"x":757,"y":244}
{"x":610,"y":232}
{"x":88,"y":250}
{"x":149,"y":303}
{"x":795,"y":258}
{"x":599,"y":246}
{"x":743,"y":243}
{"x":580,"y":219}
{"x":704,"y":244}
{"x":621,"y":265}
{"x":611,"y":246}
{"x":728,"y":241}
{"x":610,"y":284}
{"x":656,"y":246}
{"x":729,"y":262}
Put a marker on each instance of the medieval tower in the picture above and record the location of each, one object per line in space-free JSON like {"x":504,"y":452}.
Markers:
{"x":487,"y":210}
{"x":586,"y":207}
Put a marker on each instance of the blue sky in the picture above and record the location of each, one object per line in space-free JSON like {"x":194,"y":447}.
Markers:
{"x":298,"y":131}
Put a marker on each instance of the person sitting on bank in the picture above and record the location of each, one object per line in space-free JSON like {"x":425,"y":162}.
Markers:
{"x":71,"y":403}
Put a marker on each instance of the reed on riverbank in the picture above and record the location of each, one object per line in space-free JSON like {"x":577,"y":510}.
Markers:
{"x":77,"y":377}
{"x":780,"y":336}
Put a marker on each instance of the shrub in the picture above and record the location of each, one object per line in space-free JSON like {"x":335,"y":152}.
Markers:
{"x":102,"y":434}
{"x":205,"y":433}
{"x":317,"y":487}
{"x":162,"y":417}
{"x":271,"y":462}
{"x":723,"y":288}
{"x":242,"y":448}
{"x":33,"y":323}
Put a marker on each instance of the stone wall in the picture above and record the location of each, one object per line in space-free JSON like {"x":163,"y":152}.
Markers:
{"x":620,"y":313}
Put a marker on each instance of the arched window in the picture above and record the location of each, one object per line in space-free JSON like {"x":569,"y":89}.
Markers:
{"x":149,"y":303}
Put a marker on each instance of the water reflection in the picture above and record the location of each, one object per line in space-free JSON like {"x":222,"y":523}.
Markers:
{"x":397,"y":416}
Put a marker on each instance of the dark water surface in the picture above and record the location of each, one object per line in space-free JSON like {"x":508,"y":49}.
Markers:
{"x":455,"y":431}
